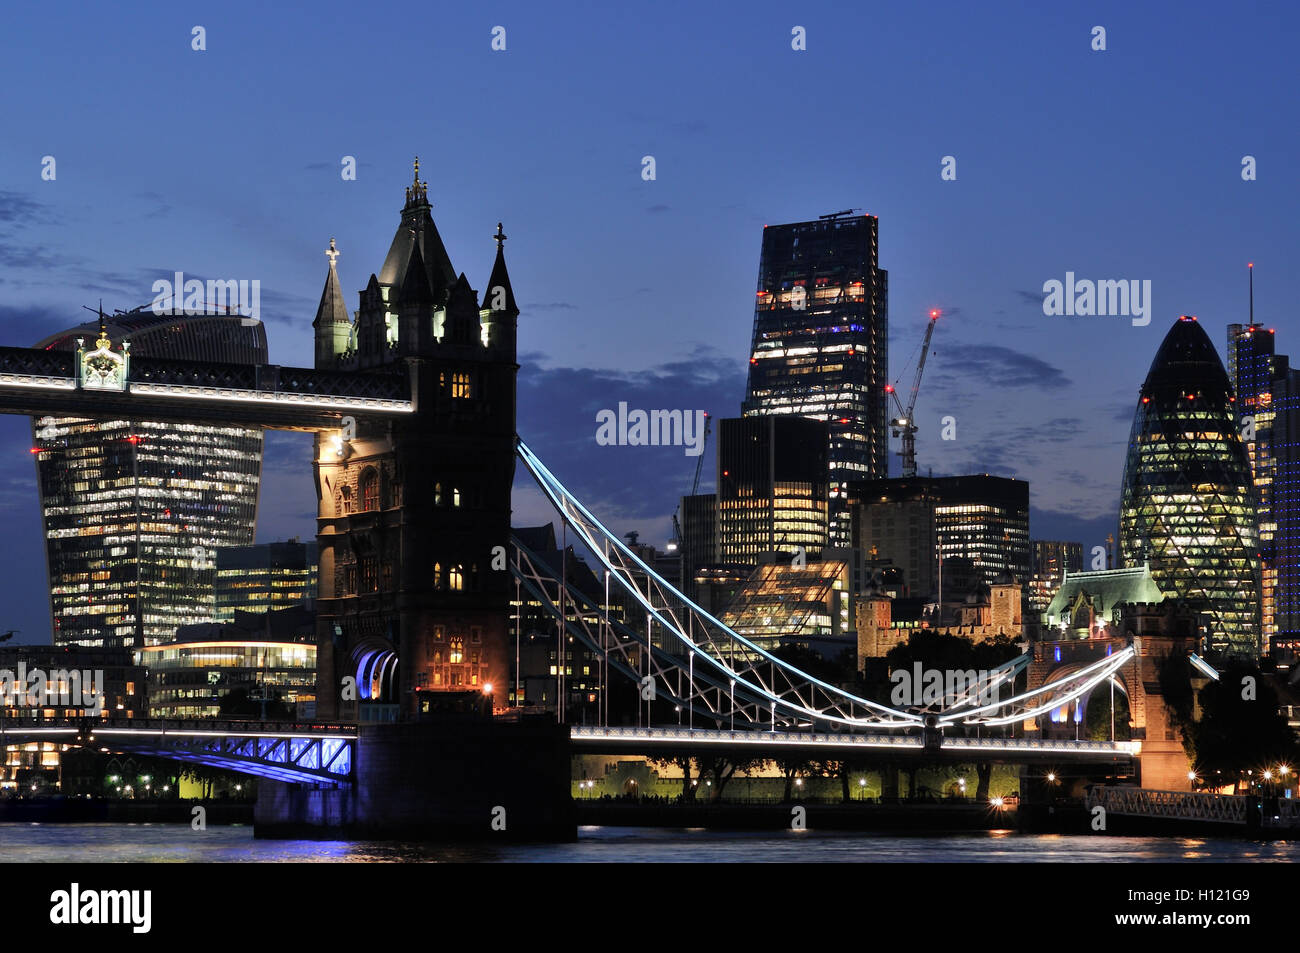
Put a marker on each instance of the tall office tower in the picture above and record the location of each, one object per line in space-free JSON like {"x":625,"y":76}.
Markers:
{"x":264,"y":577}
{"x":922,"y":523}
{"x":820,"y":346}
{"x":1049,"y":561}
{"x":134,"y":510}
{"x":771,"y":487}
{"x":411,"y":512}
{"x":1251,"y":372}
{"x":1188,"y":501}
{"x":698,"y":545}
{"x":1285,"y":511}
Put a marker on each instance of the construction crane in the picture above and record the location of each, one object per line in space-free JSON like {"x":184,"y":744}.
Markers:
{"x":675,"y":543}
{"x":904,"y":425}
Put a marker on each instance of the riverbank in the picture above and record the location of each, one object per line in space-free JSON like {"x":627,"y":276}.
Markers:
{"x":119,"y":811}
{"x":770,"y":816}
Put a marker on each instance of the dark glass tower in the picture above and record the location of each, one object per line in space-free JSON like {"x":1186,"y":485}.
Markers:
{"x":820,"y":350}
{"x":1188,"y":504}
{"x":134,"y":510}
{"x":771,"y":487}
{"x":1251,"y":369}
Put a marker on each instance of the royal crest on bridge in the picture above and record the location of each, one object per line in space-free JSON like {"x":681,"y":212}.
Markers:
{"x":103,"y":368}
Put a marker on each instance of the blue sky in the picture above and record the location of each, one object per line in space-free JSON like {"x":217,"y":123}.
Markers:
{"x":225,"y":163}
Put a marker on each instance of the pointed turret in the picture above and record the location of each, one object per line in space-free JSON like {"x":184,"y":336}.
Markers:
{"x":333,"y":326}
{"x":417,"y":228}
{"x":500,"y":313}
{"x":415,"y":281}
{"x":499,"y":295}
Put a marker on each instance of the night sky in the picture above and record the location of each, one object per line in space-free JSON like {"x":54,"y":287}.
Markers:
{"x":225,"y":163}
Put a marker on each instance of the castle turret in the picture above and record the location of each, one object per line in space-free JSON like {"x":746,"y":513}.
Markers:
{"x":500,"y":313}
{"x":332,"y":325}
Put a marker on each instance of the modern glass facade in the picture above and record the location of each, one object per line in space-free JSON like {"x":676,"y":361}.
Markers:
{"x":820,"y":344}
{"x":1285,"y":511}
{"x":190,"y":679}
{"x":1188,"y":504}
{"x":264,"y":577}
{"x":919,"y":523}
{"x":781,"y":604}
{"x":1250,"y":370}
{"x":771,"y":487}
{"x":1050,"y":560}
{"x":134,"y":510}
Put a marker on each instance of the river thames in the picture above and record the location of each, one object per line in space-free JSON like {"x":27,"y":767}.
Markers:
{"x":177,"y":843}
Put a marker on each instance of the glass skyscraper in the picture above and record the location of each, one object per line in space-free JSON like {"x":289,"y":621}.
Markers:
{"x":1188,"y":504}
{"x":1250,"y":370}
{"x":771,"y":488}
{"x":134,"y":510}
{"x":820,"y":350}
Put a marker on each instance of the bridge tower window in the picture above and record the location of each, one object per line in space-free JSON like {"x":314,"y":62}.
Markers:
{"x":456,"y":577}
{"x":370,"y":490}
{"x":457,"y":651}
{"x":437,"y":578}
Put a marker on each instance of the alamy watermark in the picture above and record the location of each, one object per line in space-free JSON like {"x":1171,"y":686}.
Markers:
{"x":920,"y":686}
{"x":218,"y":296}
{"x":60,"y":688}
{"x":653,"y":428}
{"x":1128,"y":298}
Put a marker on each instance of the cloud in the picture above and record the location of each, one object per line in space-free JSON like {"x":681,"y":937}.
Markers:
{"x":658,"y":208}
{"x":1001,"y":367}
{"x":552,"y":306}
{"x":18,"y":209}
{"x":557,"y":418}
{"x":1031,"y":297}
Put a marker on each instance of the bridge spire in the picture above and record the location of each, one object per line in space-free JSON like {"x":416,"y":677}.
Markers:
{"x":499,"y":295}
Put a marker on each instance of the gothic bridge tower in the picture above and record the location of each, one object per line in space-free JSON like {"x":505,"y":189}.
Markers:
{"x":414,"y":516}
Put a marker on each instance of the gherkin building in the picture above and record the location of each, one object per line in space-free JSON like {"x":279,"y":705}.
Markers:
{"x":1187,"y":505}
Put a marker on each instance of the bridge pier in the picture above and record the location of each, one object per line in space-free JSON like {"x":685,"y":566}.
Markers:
{"x":453,"y":779}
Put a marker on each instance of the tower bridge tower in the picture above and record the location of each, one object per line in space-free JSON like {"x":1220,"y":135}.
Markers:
{"x":414,"y":515}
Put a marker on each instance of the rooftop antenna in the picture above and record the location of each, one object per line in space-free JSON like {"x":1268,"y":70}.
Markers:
{"x":847,"y":211}
{"x":1250,"y":266}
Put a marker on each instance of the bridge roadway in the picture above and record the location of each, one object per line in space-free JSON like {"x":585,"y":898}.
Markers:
{"x":302,"y":753}
{"x":39,"y":383}
{"x":321,"y":754}
{"x":817,"y":744}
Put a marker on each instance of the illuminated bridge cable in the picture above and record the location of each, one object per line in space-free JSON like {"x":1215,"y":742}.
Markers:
{"x":769,"y":686}
{"x":795,"y":697}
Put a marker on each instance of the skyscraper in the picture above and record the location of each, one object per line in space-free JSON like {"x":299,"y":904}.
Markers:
{"x":1251,"y":371}
{"x":1050,"y":560}
{"x":771,"y":487}
{"x":134,"y":510}
{"x":922,"y":523}
{"x":820,"y":344}
{"x":1188,"y":503}
{"x":1283,"y":551}
{"x":264,"y":577}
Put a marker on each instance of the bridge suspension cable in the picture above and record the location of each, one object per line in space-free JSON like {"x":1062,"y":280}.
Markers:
{"x":762,"y":690}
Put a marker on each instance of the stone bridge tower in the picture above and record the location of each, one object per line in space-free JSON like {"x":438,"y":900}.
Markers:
{"x":1157,"y":631}
{"x":414,"y":516}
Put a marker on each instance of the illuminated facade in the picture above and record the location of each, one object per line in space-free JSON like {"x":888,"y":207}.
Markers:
{"x":820,"y":344}
{"x":134,"y":510}
{"x":1188,"y":503}
{"x":189,"y":679}
{"x":808,"y":605}
{"x":1049,"y":561}
{"x":919,"y":523}
{"x":1285,"y":511}
{"x":264,"y":577}
{"x":771,"y":487}
{"x":118,"y":686}
{"x":411,"y":511}
{"x":1250,"y":371}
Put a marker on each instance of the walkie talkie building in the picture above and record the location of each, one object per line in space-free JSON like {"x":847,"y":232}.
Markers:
{"x":1188,"y":504}
{"x":134,"y":510}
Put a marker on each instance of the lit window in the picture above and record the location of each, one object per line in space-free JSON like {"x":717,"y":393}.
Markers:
{"x":460,"y":385}
{"x":457,"y":651}
{"x":370,"y":490}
